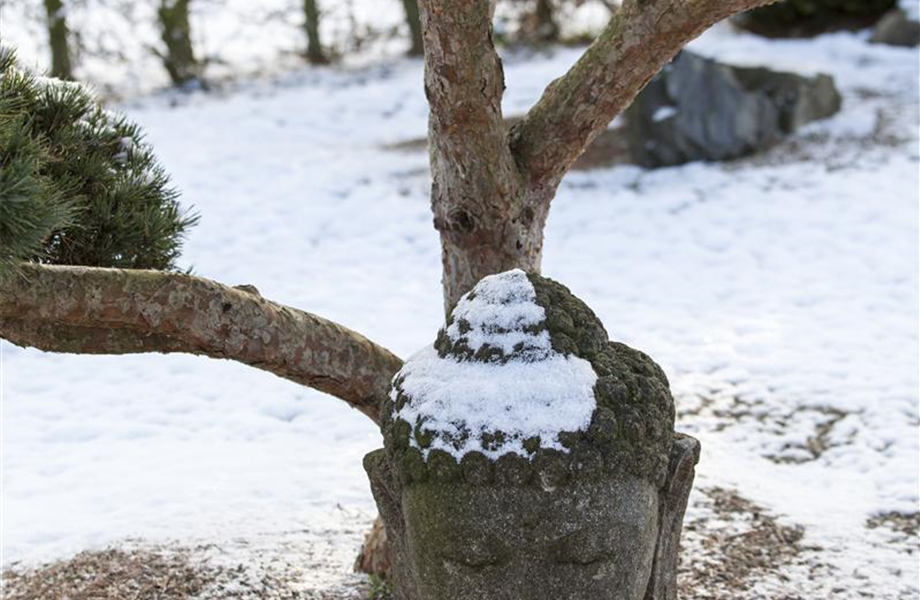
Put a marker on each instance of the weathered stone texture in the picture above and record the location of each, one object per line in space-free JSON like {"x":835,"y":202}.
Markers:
{"x":598,"y":521}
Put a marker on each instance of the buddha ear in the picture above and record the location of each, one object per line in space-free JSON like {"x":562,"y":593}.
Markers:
{"x":384,"y":487}
{"x":672,"y":503}
{"x":387,"y":491}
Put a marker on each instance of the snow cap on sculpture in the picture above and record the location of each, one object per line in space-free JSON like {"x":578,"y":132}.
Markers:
{"x":493,"y":381}
{"x":522,"y":381}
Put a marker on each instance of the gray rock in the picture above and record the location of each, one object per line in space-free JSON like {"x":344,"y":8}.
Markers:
{"x":799,"y":100}
{"x":896,"y":29}
{"x":698,"y":109}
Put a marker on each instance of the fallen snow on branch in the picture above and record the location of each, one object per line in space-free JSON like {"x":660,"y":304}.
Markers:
{"x":537,"y":392}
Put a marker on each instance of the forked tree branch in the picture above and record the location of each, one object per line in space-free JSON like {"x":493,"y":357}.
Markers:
{"x":116,"y":311}
{"x":486,"y":220}
{"x":642,"y":36}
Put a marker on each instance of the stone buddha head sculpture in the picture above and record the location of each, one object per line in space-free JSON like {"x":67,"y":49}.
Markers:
{"x":526,"y":456}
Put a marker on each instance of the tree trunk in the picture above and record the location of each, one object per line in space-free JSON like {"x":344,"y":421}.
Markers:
{"x":491,"y":238}
{"x":179,"y":58}
{"x":489,"y":220}
{"x":58,"y":35}
{"x":315,"y":52}
{"x":413,"y":19}
{"x":547,"y":29}
{"x":540,"y":27}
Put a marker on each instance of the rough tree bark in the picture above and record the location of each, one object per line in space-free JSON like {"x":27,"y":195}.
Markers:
{"x":486,"y":217}
{"x":58,"y":35}
{"x":116,"y":311}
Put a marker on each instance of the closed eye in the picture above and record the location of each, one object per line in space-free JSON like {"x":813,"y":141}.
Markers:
{"x":585,"y":559}
{"x":478,"y":554}
{"x":474,"y":562}
{"x":581,"y":548}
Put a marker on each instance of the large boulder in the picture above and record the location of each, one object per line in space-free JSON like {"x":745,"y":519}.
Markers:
{"x":806,"y":18}
{"x":527,"y":457}
{"x":897,"y":28}
{"x":698,"y":109}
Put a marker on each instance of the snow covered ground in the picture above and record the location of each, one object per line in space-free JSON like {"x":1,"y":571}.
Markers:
{"x":779,"y":293}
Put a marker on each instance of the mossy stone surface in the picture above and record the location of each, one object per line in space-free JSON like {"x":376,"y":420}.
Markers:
{"x":597,"y":518}
{"x":630,"y":430}
{"x":563,"y":544}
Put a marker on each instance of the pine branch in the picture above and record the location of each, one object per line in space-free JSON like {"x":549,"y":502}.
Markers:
{"x":78,"y":184}
{"x":116,"y":311}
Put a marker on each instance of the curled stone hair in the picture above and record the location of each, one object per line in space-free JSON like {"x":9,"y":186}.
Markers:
{"x":629,"y":431}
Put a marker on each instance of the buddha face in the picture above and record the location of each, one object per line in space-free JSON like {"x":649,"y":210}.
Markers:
{"x":587,"y":540}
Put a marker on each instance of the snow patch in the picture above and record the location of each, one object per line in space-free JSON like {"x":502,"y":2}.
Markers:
{"x":537,"y":392}
{"x":53,"y":83}
{"x":663,"y":113}
{"x":520,"y":399}
{"x":126,"y":147}
{"x":498,"y":312}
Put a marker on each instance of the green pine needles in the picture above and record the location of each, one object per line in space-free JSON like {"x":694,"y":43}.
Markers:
{"x":78,"y":185}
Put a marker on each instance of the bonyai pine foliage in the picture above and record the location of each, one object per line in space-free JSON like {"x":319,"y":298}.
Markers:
{"x":78,"y":185}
